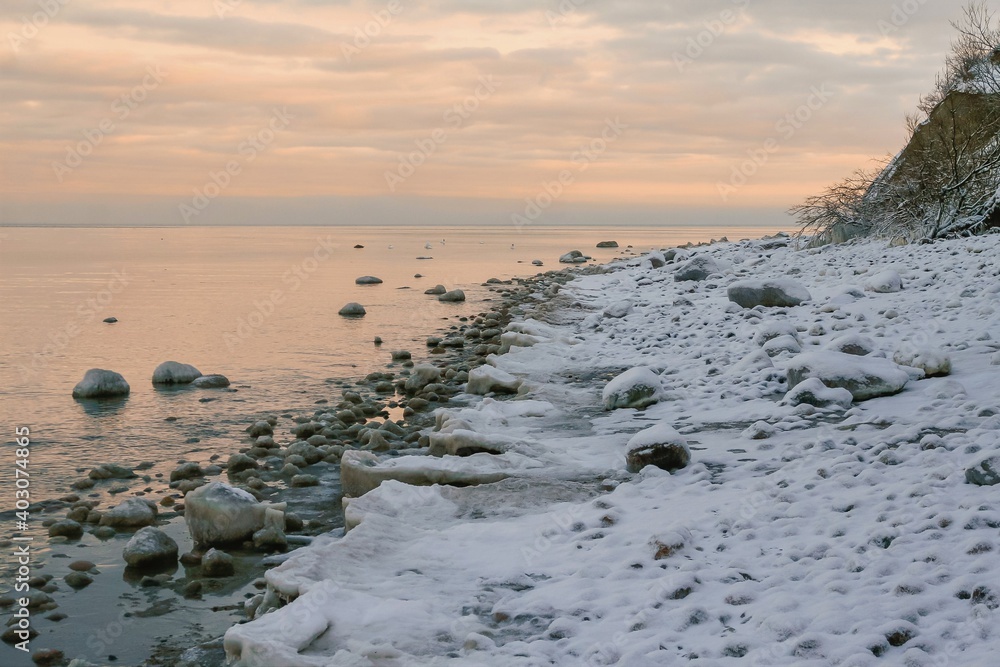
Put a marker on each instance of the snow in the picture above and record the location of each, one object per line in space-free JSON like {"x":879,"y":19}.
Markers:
{"x":864,"y":377}
{"x":795,"y":536}
{"x":486,"y":379}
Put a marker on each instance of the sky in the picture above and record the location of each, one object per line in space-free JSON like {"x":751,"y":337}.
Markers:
{"x":192,"y":112}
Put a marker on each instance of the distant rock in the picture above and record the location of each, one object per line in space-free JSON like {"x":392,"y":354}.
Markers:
{"x":130,"y":513}
{"x":635,"y":388}
{"x":537,"y":262}
{"x":437,"y":289}
{"x":884,"y":282}
{"x":659,"y":446}
{"x":189,"y":470}
{"x":608,"y":244}
{"x":173,"y":372}
{"x":400,"y":355}
{"x":99,"y":383}
{"x":352,"y":310}
{"x":813,"y":392}
{"x":774,"y":293}
{"x":213,"y":381}
{"x":358,"y":246}
{"x":696,"y":269}
{"x":260,"y":428}
{"x":933,"y":362}
{"x":864,"y":377}
{"x":573,"y":257}
{"x":984,"y":473}
{"x":367,"y":280}
{"x":110,"y":320}
{"x":150,"y":547}
{"x":454,"y":296}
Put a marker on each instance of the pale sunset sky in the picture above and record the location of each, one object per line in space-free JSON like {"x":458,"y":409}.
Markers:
{"x":117,"y":112}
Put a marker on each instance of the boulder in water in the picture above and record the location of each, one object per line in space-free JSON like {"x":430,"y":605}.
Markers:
{"x":150,"y":547}
{"x":573,"y":257}
{"x":173,"y":372}
{"x":608,"y":244}
{"x":99,"y":383}
{"x":219,"y":514}
{"x":213,"y":381}
{"x":130,"y":513}
{"x":453,"y":296}
{"x":367,"y":280}
{"x":352,"y":310}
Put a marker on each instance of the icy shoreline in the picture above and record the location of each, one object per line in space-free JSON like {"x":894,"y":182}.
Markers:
{"x":838,"y":535}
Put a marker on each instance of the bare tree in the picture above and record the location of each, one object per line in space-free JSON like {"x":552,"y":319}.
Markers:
{"x":946,"y":180}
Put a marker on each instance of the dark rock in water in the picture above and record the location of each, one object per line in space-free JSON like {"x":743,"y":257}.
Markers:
{"x":367,"y":280}
{"x":191,"y":558}
{"x":240,"y":462}
{"x":213,"y":381}
{"x":110,"y":320}
{"x":78,"y":580}
{"x":150,"y":547}
{"x":66,"y":528}
{"x":984,"y":473}
{"x":174,"y":372}
{"x":81,"y":566}
{"x":437,"y":289}
{"x":99,"y":383}
{"x":378,"y":340}
{"x":608,"y":244}
{"x":453,"y":296}
{"x":352,"y":309}
{"x":48,"y":657}
{"x":217,"y":563}
{"x":358,"y":246}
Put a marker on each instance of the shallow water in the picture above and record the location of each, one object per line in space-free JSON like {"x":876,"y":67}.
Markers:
{"x":256,"y":304}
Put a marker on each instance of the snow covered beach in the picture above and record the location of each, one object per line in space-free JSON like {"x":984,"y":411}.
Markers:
{"x":796,"y":535}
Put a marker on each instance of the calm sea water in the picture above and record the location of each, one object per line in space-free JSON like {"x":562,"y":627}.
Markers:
{"x":258,"y":305}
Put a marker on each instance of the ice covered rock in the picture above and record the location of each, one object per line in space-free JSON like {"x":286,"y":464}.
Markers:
{"x":608,"y":244}
{"x":486,"y":379}
{"x":812,"y":391}
{"x":984,"y":473}
{"x":367,"y":280}
{"x":352,"y":309}
{"x":421,"y":376}
{"x":360,"y":472}
{"x":218,"y":514}
{"x":696,"y":269}
{"x":851,"y":344}
{"x":777,"y":292}
{"x":784,"y":343}
{"x":757,"y":360}
{"x":933,"y":362}
{"x":217,"y":563}
{"x":759,"y":430}
{"x":465,"y":442}
{"x":635,"y":388}
{"x":618,"y":309}
{"x":661,"y":446}
{"x":213,"y":381}
{"x":174,"y":372}
{"x":454,"y":296}
{"x":770,"y":330}
{"x":884,"y":282}
{"x":864,"y":377}
{"x":130,"y":513}
{"x":573,"y":257}
{"x":150,"y":547}
{"x":99,"y":383}
{"x":509,"y":339}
